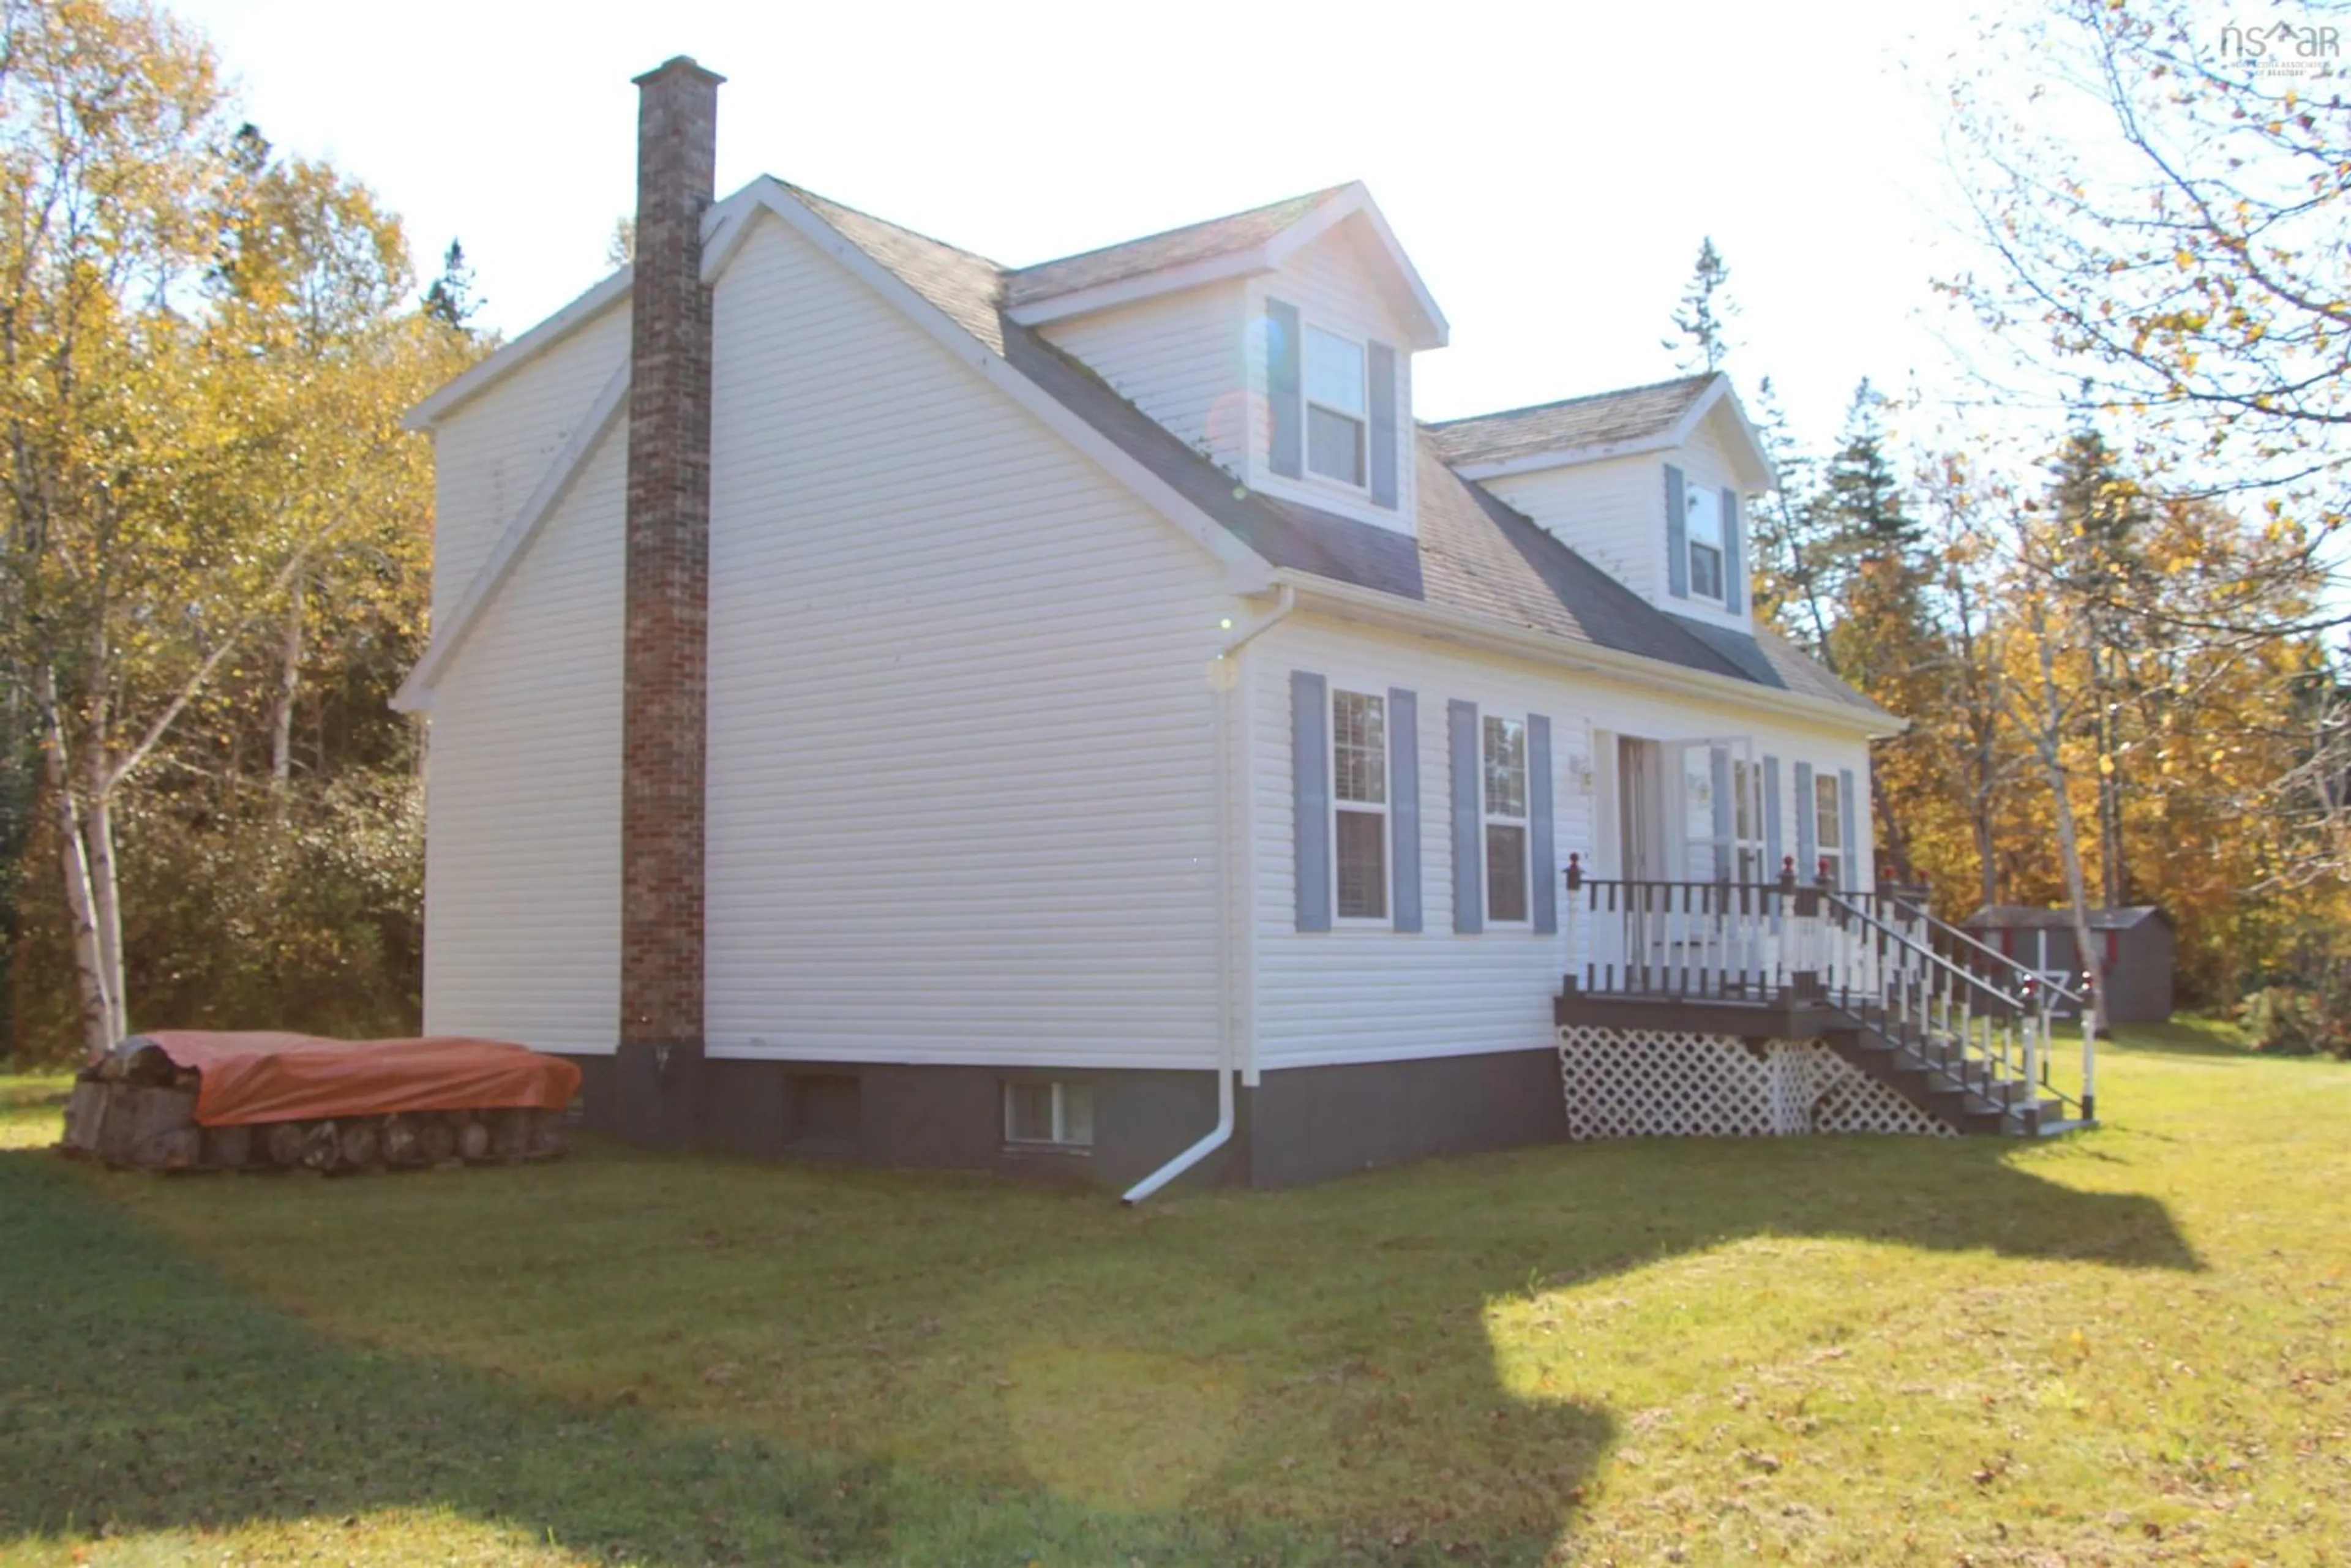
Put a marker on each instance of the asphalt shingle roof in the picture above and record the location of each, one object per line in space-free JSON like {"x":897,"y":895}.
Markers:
{"x":1631,"y":414}
{"x":1154,"y":253}
{"x":1473,"y":552}
{"x":964,"y":286}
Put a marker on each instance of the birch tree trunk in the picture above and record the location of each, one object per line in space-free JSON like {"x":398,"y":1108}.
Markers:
{"x":98,"y":818}
{"x":106,"y":897}
{"x":289,"y":685}
{"x":2048,"y":737}
{"x":2113,"y":875}
{"x":1987,"y":850}
{"x":97,"y":1006}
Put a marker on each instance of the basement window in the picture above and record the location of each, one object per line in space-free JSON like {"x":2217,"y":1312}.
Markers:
{"x":1050,"y":1115}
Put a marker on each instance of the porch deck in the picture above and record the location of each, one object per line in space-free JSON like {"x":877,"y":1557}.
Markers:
{"x":1957,"y":1027}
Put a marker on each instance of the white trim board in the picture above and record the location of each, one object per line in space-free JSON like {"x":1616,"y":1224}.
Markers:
{"x":514,"y":356}
{"x":1370,"y":606}
{"x":415,"y":693}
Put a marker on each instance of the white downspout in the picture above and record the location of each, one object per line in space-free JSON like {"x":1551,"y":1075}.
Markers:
{"x":1232,"y":822}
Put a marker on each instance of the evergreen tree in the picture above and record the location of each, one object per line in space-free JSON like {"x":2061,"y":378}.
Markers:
{"x":1885,"y":640}
{"x":1783,"y":541}
{"x":1861,"y":496}
{"x":450,"y":300}
{"x":1705,"y":315}
{"x":2100,"y":515}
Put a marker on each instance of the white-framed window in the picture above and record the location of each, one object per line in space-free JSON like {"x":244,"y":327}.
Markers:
{"x":1705,"y":525}
{"x":1747,"y":823}
{"x":1337,"y":407}
{"x":1505,"y":748}
{"x":1359,"y":804}
{"x":1828,"y":826}
{"x":1050,"y":1114}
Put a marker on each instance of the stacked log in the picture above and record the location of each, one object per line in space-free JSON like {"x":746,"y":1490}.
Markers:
{"x":135,"y":1111}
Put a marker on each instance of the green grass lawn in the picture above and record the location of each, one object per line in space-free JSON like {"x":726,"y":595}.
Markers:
{"x":2130,"y":1346}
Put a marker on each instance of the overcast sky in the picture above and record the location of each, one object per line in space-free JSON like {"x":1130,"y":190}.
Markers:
{"x":1550,"y":168}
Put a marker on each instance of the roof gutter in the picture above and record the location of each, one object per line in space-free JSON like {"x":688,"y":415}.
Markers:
{"x":1370,"y":606}
{"x":1236,"y":1004}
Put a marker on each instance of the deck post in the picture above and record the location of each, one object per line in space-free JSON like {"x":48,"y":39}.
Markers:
{"x":2090,"y":1065}
{"x":2035,"y":1039}
{"x":1572,"y":923}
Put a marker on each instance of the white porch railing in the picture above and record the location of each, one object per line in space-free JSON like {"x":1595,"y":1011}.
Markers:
{"x":1878,"y":956}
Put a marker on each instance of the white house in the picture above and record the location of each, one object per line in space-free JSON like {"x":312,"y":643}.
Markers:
{"x":888,"y":704}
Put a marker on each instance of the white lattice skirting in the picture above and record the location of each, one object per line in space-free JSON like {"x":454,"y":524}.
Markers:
{"x":1652,"y":1084}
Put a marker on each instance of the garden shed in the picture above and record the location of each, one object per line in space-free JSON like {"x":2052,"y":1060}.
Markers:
{"x":2135,"y":947}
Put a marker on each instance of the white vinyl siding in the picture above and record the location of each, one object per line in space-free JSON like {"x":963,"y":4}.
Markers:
{"x":963,"y":787}
{"x":491,"y":452}
{"x":1178,"y":359}
{"x":1331,"y":283}
{"x":1365,"y":993}
{"x":522,"y":845}
{"x":1613,"y":513}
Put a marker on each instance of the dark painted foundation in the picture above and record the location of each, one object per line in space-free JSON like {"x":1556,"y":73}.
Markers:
{"x":1302,"y":1124}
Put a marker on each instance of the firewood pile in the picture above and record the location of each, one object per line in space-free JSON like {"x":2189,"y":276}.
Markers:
{"x":138,"y":1108}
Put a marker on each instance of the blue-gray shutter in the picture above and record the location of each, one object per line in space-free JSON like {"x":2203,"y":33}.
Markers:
{"x":1676,"y":535}
{"x":1853,"y":877}
{"x":1734,"y":556}
{"x":1539,"y":851}
{"x":1309,"y":796}
{"x":1404,"y":804}
{"x":1772,"y":849}
{"x":1282,"y":347}
{"x":1808,"y":854}
{"x":1468,"y":854}
{"x":1381,"y":361}
{"x":1718,"y":763}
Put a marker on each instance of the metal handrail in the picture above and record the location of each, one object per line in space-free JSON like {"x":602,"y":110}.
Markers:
{"x":2034,"y":1012}
{"x":1969,"y":976}
{"x":2032,"y":977}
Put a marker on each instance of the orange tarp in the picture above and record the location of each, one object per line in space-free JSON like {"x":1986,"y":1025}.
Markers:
{"x":266,"y":1077}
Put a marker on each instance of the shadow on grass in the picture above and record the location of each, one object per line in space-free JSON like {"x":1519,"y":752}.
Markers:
{"x":691,"y":1360}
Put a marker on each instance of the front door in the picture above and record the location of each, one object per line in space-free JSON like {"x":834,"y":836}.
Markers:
{"x":1640,"y":814}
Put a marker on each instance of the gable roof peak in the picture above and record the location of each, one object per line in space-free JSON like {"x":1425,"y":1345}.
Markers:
{"x":1652,"y":417}
{"x":1186,"y":243}
{"x":1240,"y":245}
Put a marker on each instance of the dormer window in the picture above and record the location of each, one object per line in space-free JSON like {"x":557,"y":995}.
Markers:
{"x":1336,"y":407}
{"x":1705,"y":534}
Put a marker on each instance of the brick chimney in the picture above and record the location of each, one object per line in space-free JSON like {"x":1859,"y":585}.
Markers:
{"x":665,"y":718}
